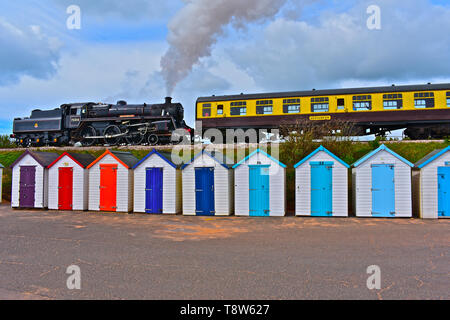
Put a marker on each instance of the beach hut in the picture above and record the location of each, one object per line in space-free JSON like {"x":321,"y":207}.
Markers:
{"x":260,"y":184}
{"x":30,"y":179}
{"x":382,"y":185}
{"x":431,"y":181}
{"x":208,"y":185}
{"x":321,"y":185}
{"x":68,"y":182}
{"x":111,"y":182}
{"x":157,"y":184}
{"x":1,"y":182}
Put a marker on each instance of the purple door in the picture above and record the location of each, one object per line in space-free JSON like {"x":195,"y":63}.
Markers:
{"x":27,"y":187}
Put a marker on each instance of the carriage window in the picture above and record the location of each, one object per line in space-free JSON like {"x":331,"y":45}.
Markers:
{"x":207,"y":110}
{"x":264,"y":107}
{"x":291,"y":106}
{"x":392,"y":101}
{"x":362,"y":103}
{"x":320,"y":104}
{"x":220,"y":110}
{"x":424,"y":100}
{"x":448,"y":99}
{"x":341,"y":104}
{"x":239,"y":108}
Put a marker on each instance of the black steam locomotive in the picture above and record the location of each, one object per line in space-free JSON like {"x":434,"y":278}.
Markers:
{"x":98,"y":123}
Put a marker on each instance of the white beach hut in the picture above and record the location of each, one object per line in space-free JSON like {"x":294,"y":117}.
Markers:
{"x":30,"y":179}
{"x":208,"y":185}
{"x":68,"y":182}
{"x":260,"y":184}
{"x":111,"y":182}
{"x":382,"y":185}
{"x":321,"y":185}
{"x":431,"y":183}
{"x":157,"y":184}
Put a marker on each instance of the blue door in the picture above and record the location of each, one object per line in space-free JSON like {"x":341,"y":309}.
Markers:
{"x":444,"y":191}
{"x":259,"y":191}
{"x":154,"y":191}
{"x":204,"y":191}
{"x":383,"y":190}
{"x":321,"y":189}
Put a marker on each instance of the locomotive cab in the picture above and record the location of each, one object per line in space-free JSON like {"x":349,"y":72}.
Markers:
{"x":74,"y":114}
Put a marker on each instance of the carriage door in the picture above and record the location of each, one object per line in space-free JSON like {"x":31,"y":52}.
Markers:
{"x":321,"y":189}
{"x":154,"y":190}
{"x":27,"y":186}
{"x":108,"y":187}
{"x":259,"y":190}
{"x":65,"y":189}
{"x":204,"y":191}
{"x":444,"y":192}
{"x":383,"y":190}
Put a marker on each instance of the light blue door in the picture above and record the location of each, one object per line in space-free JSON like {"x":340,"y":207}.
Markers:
{"x":383,"y":190}
{"x":444,"y":191}
{"x":204,"y":191}
{"x":259,"y":192}
{"x":321,"y":189}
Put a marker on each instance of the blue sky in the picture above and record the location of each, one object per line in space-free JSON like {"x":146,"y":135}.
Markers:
{"x":303,"y":44}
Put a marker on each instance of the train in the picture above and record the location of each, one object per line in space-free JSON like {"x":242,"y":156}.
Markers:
{"x":90,"y":124}
{"x":423,"y":110}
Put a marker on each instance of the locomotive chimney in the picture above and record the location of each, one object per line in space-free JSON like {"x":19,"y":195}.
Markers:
{"x":168,"y":100}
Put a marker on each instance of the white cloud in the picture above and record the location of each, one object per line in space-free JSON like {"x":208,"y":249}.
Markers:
{"x":290,"y":55}
{"x":26,"y":51}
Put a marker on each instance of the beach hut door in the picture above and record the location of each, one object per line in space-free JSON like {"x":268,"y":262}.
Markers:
{"x":204,"y":191}
{"x":259,"y":192}
{"x":383,"y":190}
{"x":65,"y":188}
{"x":27,"y":186}
{"x":321,"y":189}
{"x":444,"y":191}
{"x":108,"y":187}
{"x":154,"y":191}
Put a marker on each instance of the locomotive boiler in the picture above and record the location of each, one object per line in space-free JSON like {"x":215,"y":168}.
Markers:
{"x":99,"y":123}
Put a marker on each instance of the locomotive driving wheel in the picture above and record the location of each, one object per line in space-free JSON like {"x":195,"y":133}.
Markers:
{"x":153,"y":139}
{"x":110,"y":134}
{"x":85,"y":134}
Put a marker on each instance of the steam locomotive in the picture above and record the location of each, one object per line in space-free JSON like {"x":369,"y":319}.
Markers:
{"x":97,"y":123}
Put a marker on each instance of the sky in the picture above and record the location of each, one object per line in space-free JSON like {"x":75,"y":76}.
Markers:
{"x":269,"y":46}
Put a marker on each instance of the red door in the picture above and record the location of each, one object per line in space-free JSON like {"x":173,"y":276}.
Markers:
{"x":108,"y":187}
{"x":65,"y":189}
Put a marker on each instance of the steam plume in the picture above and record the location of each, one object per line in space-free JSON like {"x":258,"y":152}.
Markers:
{"x":194,"y":30}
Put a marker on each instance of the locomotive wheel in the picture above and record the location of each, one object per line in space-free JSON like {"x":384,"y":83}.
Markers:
{"x":135,"y":139}
{"x":153,"y":139}
{"x":112,"y":131}
{"x":88,"y":132}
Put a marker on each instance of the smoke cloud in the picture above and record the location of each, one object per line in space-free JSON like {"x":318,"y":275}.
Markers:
{"x":196,"y":27}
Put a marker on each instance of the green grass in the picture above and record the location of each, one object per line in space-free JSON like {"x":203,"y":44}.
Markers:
{"x":349,"y":152}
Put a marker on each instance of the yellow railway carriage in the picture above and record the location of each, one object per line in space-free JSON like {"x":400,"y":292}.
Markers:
{"x":424,"y":110}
